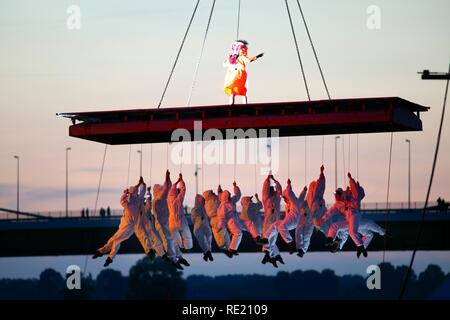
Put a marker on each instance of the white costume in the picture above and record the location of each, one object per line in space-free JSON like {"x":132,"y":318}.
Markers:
{"x":228,"y":217}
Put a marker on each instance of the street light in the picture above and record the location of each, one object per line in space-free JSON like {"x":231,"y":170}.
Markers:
{"x":409,"y":172}
{"x":18,"y":170}
{"x":67,"y":181}
{"x":335,"y":161}
{"x":140,"y":162}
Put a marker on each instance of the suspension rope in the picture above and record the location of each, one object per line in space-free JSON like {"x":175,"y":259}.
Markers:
{"x":343,"y":159}
{"x":298,"y":50}
{"x":323,"y":147}
{"x":314,"y":50}
{"x":408,"y":273}
{"x":100,"y":180}
{"x":181,"y":158}
{"x":349,"y":147}
{"x":151,"y":162}
{"x":305,"y":160}
{"x":96,"y":201}
{"x":220,"y":158}
{"x":178,"y":54}
{"x":357,"y":157}
{"x":202,"y":168}
{"x":129,"y":166}
{"x":255,"y":165}
{"x":194,"y":80}
{"x":288,"y":157}
{"x":387,"y":196}
{"x":235,"y":158}
{"x":167,"y":156}
{"x":238,"y":19}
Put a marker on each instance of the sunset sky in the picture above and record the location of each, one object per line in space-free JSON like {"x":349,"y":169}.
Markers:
{"x":121,"y":58}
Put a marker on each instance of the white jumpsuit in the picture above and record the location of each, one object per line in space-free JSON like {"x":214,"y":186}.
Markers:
{"x":178,"y":223}
{"x":129,"y":223}
{"x":349,"y":208}
{"x":314,"y":207}
{"x":221,"y":236}
{"x":249,"y":216}
{"x":148,"y":223}
{"x":228,"y":217}
{"x":202,"y":228}
{"x":271,"y":205}
{"x":161,"y":214}
{"x":292,"y":215}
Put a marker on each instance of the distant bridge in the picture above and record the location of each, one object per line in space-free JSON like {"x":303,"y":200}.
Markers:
{"x":41,"y":236}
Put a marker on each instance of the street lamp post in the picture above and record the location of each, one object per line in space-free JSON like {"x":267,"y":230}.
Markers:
{"x":140,"y":162}
{"x":18,"y":172}
{"x":67,"y":181}
{"x":409,"y":172}
{"x":335,"y":161}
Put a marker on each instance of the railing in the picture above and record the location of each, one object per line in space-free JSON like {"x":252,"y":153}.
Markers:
{"x":396,"y":207}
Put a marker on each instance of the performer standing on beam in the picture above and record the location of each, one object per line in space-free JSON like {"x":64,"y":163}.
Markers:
{"x":236,"y":76}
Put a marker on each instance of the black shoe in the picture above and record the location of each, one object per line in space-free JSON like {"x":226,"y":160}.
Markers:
{"x":360,"y":250}
{"x":177,"y":265}
{"x":183,"y":262}
{"x":151,"y":254}
{"x":205,"y":256}
{"x":300,"y":253}
{"x":266,"y":258}
{"x":183,"y":250}
{"x":329,"y":242}
{"x":234,"y":252}
{"x":228,"y":253}
{"x":210,"y":257}
{"x":291,"y":247}
{"x":273,"y":262}
{"x":334,"y":247}
{"x":279,"y":259}
{"x":107,"y":262}
{"x":260,"y":241}
{"x":97,"y":254}
{"x":165,"y":257}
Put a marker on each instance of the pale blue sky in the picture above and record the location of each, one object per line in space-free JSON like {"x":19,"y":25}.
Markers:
{"x":121,"y":57}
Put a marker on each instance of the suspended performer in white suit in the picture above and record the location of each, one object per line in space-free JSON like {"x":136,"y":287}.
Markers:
{"x":292,"y":215}
{"x":271,"y":197}
{"x":148,"y":223}
{"x":132,"y":203}
{"x":367,"y":228}
{"x":202,"y":228}
{"x":228,"y":218}
{"x":160,"y":212}
{"x":250,"y":220}
{"x":212,"y":203}
{"x":313,"y":208}
{"x":349,"y":209}
{"x":178,"y":223}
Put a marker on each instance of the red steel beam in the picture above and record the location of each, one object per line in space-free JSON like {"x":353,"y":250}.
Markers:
{"x":291,"y":119}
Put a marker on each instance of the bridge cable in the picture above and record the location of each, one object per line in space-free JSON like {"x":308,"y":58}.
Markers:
{"x":178,"y":54}
{"x":387,"y":196}
{"x":408,"y":273}
{"x":238,"y":19}
{"x":318,"y":65}
{"x":96,"y":201}
{"x":194,"y":80}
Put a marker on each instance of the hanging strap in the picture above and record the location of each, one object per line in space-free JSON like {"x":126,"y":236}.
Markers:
{"x":194,"y":81}
{"x":178,"y":54}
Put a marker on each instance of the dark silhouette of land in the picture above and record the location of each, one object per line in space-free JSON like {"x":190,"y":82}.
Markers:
{"x":159,"y":280}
